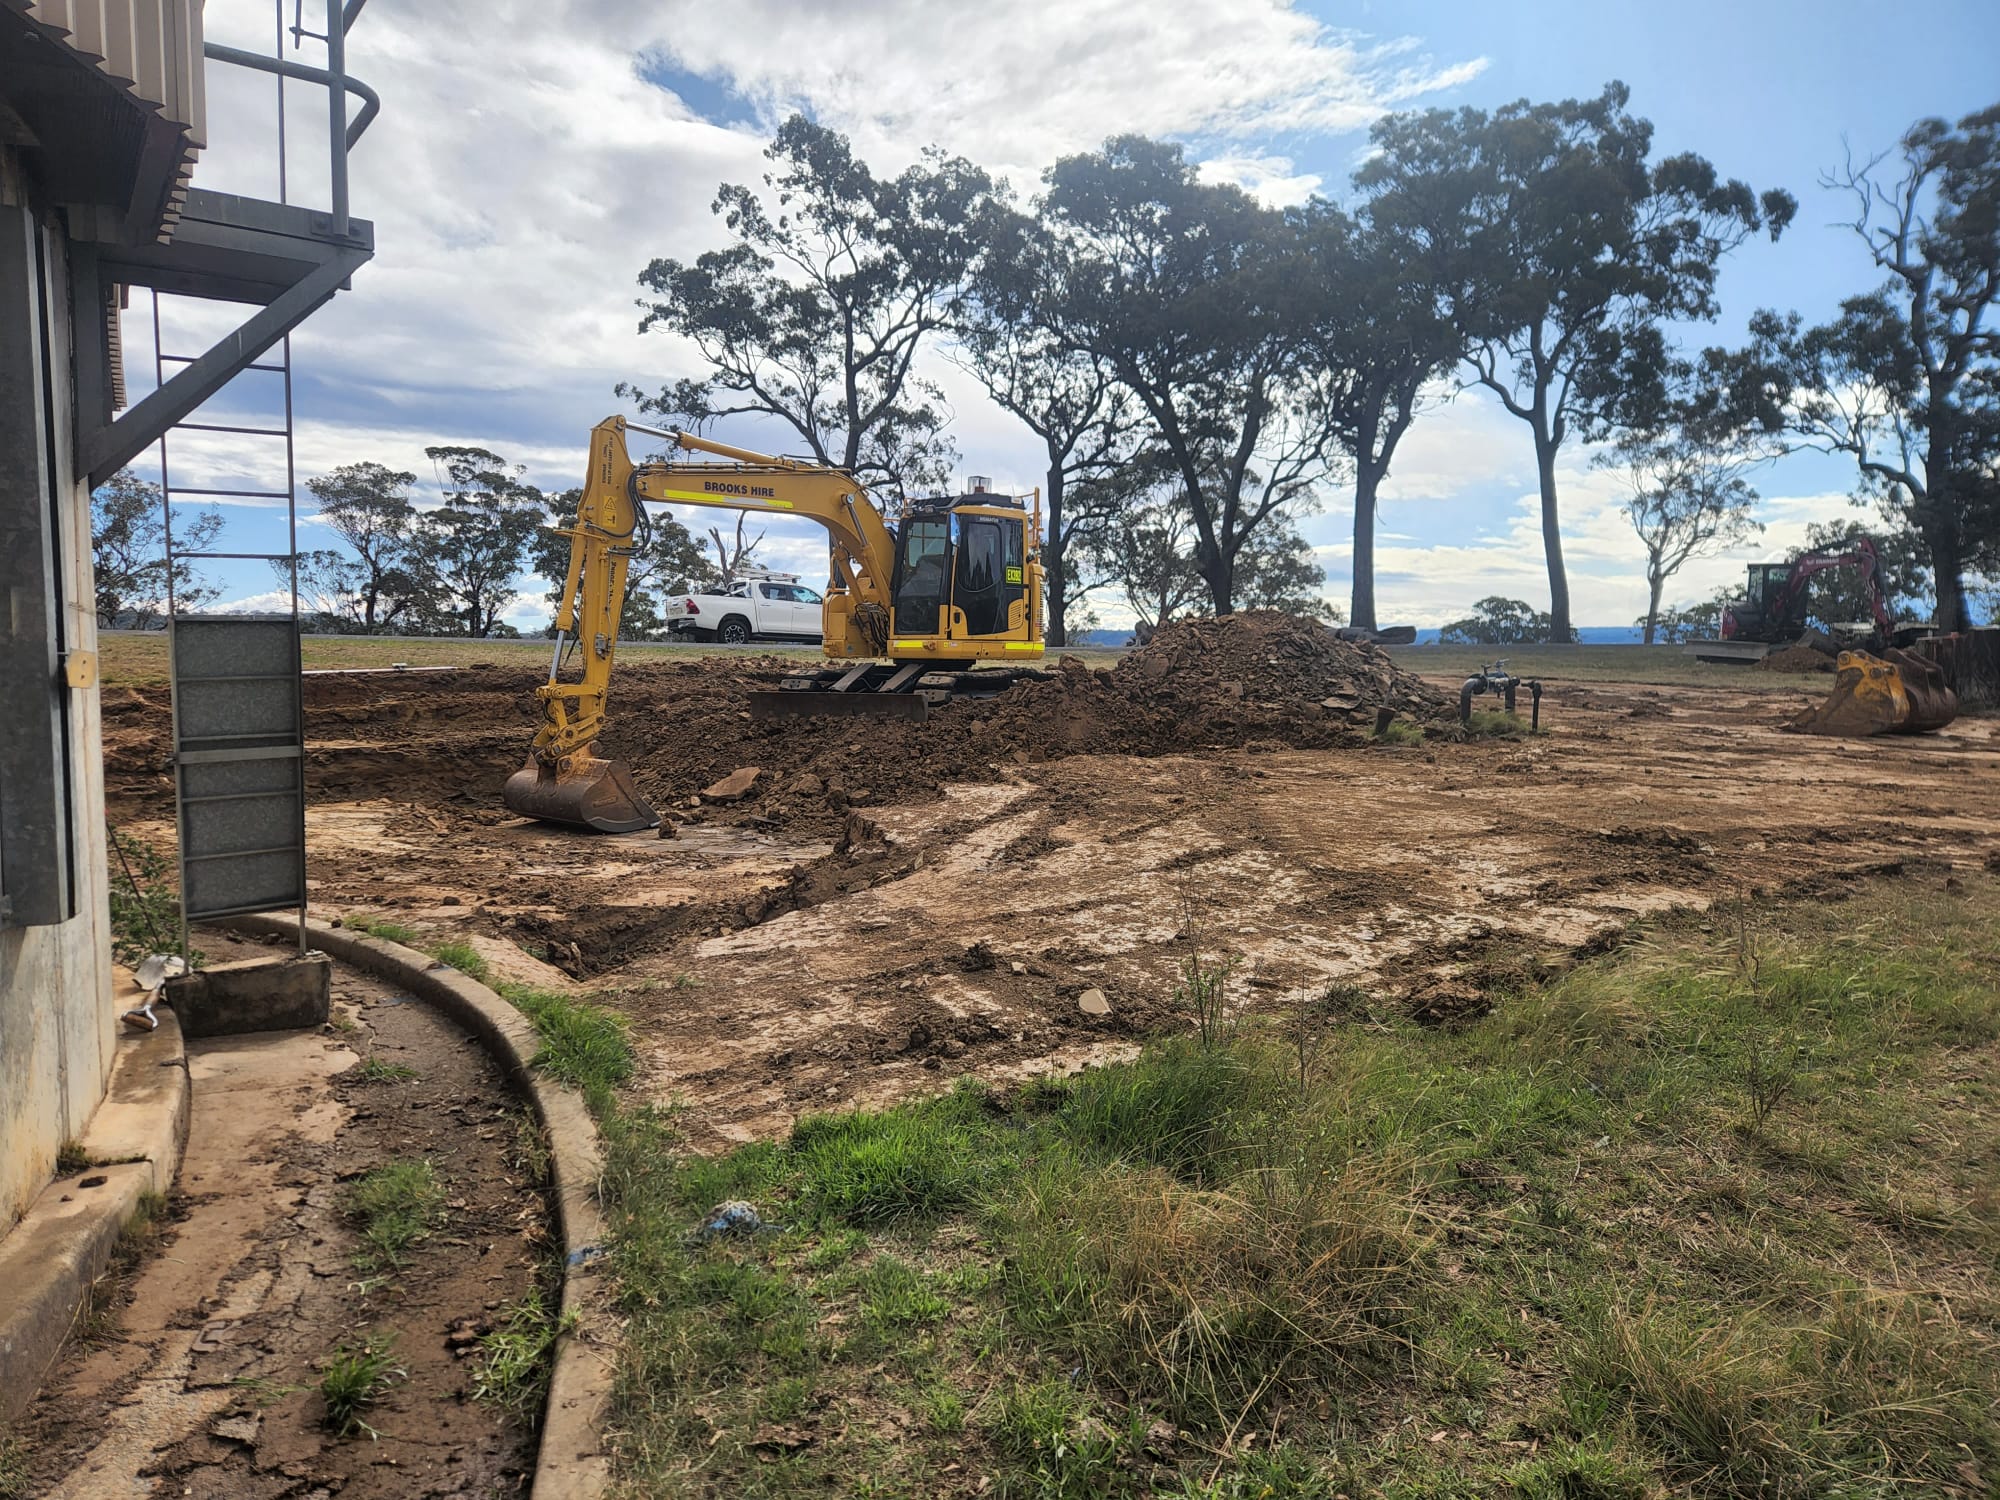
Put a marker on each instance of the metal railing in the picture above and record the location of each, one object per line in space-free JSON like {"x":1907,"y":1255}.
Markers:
{"x":342,"y":132}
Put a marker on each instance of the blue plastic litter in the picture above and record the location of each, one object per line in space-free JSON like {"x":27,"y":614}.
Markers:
{"x":733,"y":1218}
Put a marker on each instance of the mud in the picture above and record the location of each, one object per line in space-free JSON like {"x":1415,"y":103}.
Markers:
{"x":895,"y":905}
{"x":1796,"y":659}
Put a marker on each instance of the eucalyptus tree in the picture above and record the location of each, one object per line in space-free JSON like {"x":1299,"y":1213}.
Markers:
{"x":1193,"y":296}
{"x":1379,"y":337}
{"x":128,"y":549}
{"x":1688,"y":495}
{"x":1906,"y":380}
{"x":367,"y":506}
{"x":815,"y":314}
{"x":474,"y":546}
{"x":1566,"y":250}
{"x":1010,"y":337}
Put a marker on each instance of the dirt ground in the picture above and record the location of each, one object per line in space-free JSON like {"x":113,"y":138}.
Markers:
{"x":199,"y":1375}
{"x":892,"y":907}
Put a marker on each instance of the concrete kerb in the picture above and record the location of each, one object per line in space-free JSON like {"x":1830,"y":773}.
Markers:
{"x":573,"y":1463}
{"x":50,"y":1259}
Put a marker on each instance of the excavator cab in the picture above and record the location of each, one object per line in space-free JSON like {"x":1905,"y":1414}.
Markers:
{"x":961,"y":575}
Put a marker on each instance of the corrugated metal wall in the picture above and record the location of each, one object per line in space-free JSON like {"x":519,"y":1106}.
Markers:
{"x":150,"y":47}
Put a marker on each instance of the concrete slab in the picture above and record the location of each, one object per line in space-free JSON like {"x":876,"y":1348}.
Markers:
{"x":257,"y":994}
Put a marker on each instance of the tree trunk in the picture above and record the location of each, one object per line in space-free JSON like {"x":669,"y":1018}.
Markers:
{"x":1361,"y":608}
{"x":1055,"y":561}
{"x":1941,"y":539}
{"x":1218,"y":571}
{"x":1659,"y":583}
{"x":1552,"y":540}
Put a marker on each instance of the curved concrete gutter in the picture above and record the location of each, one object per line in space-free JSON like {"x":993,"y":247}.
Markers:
{"x":50,"y":1259}
{"x":574,"y":1463}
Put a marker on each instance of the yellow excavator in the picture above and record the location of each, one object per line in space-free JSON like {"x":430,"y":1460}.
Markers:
{"x":910,"y":611}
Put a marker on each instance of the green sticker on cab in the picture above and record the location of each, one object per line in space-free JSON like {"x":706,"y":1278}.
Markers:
{"x":1013,"y":575}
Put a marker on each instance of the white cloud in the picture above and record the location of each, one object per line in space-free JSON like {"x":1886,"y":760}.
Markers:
{"x":1269,"y":179}
{"x":1016,"y":83}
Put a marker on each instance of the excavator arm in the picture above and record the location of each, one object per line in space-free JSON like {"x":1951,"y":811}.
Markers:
{"x":564,"y":779}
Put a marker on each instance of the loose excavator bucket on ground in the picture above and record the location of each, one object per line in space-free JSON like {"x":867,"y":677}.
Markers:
{"x":582,"y":790}
{"x":1897,"y":692}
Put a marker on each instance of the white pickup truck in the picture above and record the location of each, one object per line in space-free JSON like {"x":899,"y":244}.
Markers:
{"x":762,"y":606}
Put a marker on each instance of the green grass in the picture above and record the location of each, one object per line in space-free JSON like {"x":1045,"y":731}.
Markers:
{"x":462,"y":957}
{"x":381,"y":927}
{"x":374,"y":1070}
{"x":1585,"y":1246}
{"x":516,"y":1358}
{"x":1494,"y":724}
{"x":392,"y":1206}
{"x":1401,"y":732}
{"x":13,"y":1468}
{"x":354,"y":1378}
{"x":583,"y":1045}
{"x":139,"y":659}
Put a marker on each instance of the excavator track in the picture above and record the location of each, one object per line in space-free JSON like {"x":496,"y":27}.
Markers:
{"x":904,"y":691}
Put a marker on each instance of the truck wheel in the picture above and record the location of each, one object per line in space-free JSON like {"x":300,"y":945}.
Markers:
{"x":734,"y":631}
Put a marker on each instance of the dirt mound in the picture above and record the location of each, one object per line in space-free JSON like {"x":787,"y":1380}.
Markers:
{"x":1797,"y":659}
{"x":1256,"y":678}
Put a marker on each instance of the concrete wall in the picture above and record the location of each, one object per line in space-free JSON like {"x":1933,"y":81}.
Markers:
{"x":57,"y":1028}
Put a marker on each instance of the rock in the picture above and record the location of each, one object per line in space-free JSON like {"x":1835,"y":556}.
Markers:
{"x":1092,"y":1003}
{"x":1020,"y":968}
{"x":237,"y":1427}
{"x":978,"y":957}
{"x":807,"y":785}
{"x":734,"y":787}
{"x":450,"y":901}
{"x":667,"y":830}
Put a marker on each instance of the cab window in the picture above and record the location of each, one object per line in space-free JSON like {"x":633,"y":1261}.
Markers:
{"x":922,"y":582}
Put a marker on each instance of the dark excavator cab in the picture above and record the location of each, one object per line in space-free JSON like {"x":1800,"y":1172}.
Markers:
{"x":960,"y":567}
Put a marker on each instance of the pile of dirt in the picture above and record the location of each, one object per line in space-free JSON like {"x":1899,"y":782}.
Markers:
{"x":1259,"y":678}
{"x":1797,"y":659}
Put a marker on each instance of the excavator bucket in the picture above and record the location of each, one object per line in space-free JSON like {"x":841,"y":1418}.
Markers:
{"x":1897,"y":692}
{"x":583,"y":791}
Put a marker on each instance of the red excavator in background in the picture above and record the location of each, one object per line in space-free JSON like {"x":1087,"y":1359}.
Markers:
{"x":1773,"y":609}
{"x":1879,"y":688}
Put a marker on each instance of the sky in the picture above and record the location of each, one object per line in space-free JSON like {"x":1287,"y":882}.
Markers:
{"x":532,"y":156}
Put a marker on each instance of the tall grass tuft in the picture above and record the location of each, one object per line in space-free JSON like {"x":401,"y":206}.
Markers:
{"x":1214,"y":1299}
